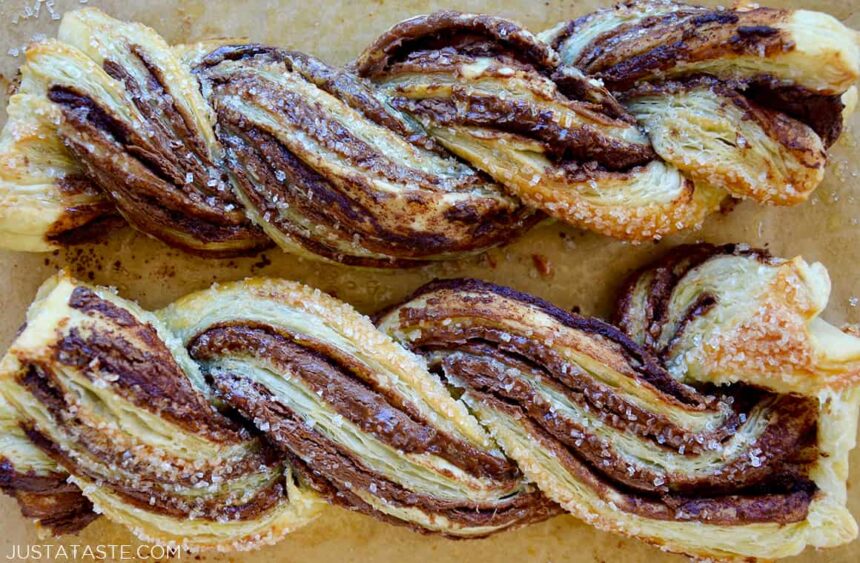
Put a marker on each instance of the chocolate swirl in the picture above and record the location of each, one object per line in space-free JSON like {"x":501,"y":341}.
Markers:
{"x":498,"y":97}
{"x":358,"y":417}
{"x":36,"y":482}
{"x":324,"y":163}
{"x":613,"y":436}
{"x":767,"y":319}
{"x":220,"y":149}
{"x":98,"y":394}
{"x":134,"y":116}
{"x":518,"y":410}
{"x":450,"y":134}
{"x":732,"y":97}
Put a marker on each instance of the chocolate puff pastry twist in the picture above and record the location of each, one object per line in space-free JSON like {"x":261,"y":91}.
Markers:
{"x":223,"y":420}
{"x":451,"y":133}
{"x":103,"y":411}
{"x":691,"y":433}
{"x":739,"y":99}
{"x":220,"y":149}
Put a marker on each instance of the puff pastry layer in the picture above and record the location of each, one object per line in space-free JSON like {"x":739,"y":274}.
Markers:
{"x":104,"y":412}
{"x":360,"y":418}
{"x":755,"y":467}
{"x":737,"y":99}
{"x":223,"y":420}
{"x":450,"y":134}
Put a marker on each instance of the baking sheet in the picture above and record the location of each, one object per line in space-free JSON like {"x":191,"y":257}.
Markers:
{"x":585,"y":270}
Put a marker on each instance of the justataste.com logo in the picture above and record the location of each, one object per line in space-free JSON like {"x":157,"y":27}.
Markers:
{"x":86,"y":552}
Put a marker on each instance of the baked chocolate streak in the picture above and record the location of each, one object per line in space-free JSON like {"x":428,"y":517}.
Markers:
{"x":634,"y":432}
{"x":112,"y":410}
{"x":755,"y":447}
{"x":358,"y":441}
{"x":317,"y":155}
{"x":223,"y":149}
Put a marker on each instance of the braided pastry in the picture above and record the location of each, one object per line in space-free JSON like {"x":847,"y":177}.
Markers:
{"x":737,"y":99}
{"x":663,"y":455}
{"x":96,"y":388}
{"x":441,"y":139}
{"x":360,"y":417}
{"x":591,"y":421}
{"x":303,"y":150}
{"x":496,"y":96}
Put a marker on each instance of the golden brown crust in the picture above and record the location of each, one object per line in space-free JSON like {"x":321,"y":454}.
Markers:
{"x":616,"y":419}
{"x":652,"y":435}
{"x":450,"y":134}
{"x":744,"y":99}
{"x":769,"y":331}
{"x":496,"y":96}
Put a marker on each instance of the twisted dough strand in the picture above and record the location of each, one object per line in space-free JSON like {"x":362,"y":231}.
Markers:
{"x":442,"y":138}
{"x":506,"y":411}
{"x":95,"y":389}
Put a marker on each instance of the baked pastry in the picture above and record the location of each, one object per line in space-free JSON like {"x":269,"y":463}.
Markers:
{"x":359,"y":418}
{"x":45,"y":198}
{"x":741,"y":99}
{"x":460,"y":127}
{"x":37,"y":482}
{"x":733,"y":101}
{"x":333,"y":174}
{"x":756,"y":468}
{"x":498,"y":97}
{"x":104,"y":412}
{"x":734,"y":314}
{"x":635,"y":434}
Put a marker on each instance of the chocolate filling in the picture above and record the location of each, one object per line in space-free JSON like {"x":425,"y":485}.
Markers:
{"x":643,"y":47}
{"x":173,"y":190}
{"x":293,"y":196}
{"x":349,"y":392}
{"x":584,"y":143}
{"x":136,"y":480}
{"x":345,"y":385}
{"x":443,"y":42}
{"x":632,"y":52}
{"x":129,"y":358}
{"x":766,"y":480}
{"x":786,"y":504}
{"x":474,"y":35}
{"x":340,"y":475}
{"x":663,"y":277}
{"x":57,"y":505}
{"x":145,"y":374}
{"x":785,"y":127}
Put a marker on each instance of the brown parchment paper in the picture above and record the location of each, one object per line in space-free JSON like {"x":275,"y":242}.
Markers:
{"x":581,"y":270}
